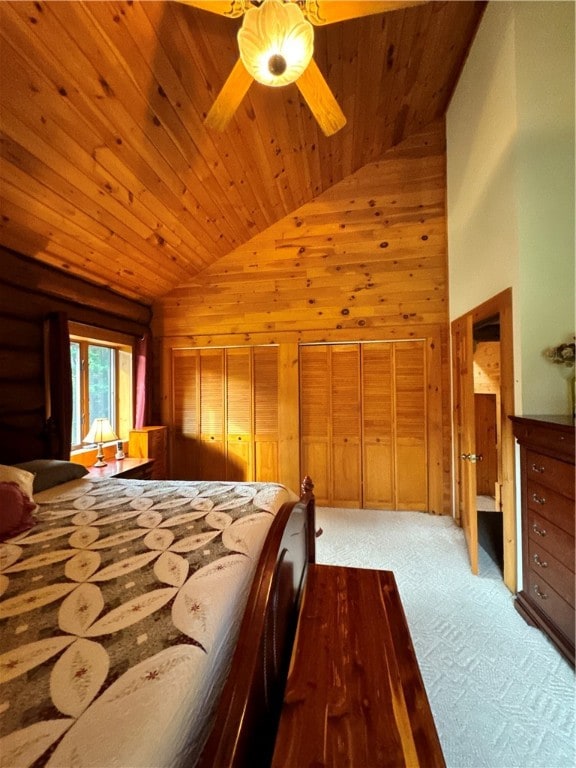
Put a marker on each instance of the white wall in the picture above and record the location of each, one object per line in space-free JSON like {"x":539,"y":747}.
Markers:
{"x":510,"y":137}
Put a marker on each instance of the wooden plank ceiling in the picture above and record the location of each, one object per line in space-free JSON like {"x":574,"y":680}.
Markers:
{"x":107,"y":170}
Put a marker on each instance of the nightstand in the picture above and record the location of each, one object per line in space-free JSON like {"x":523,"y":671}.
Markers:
{"x":127,"y":469}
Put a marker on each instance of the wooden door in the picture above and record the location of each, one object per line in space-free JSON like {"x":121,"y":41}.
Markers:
{"x":486,"y":430}
{"x":410,"y":425}
{"x":212,"y":456}
{"x":465,"y":433}
{"x":364,"y":423}
{"x":266,"y":413}
{"x":345,"y":420}
{"x":238,"y":398}
{"x":315,"y":418}
{"x":225,"y":414}
{"x":185,"y":414}
{"x":378,"y":426}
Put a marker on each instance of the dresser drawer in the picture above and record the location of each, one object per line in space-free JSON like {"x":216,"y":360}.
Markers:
{"x":550,"y":472}
{"x":558,"y":440}
{"x":545,"y":566}
{"x":549,"y":602}
{"x":552,"y":538}
{"x":551,"y":505}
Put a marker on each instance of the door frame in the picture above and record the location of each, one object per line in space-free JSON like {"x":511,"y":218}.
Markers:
{"x":501,"y":305}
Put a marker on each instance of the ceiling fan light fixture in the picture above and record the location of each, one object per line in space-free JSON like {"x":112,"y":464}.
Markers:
{"x":276,"y":42}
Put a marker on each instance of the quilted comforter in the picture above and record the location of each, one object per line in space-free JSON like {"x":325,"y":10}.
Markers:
{"x":118,"y":617}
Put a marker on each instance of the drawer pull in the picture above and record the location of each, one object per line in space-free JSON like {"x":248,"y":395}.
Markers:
{"x":537,"y":468}
{"x":538,"y":499}
{"x":537,"y":530}
{"x":540,"y":563}
{"x":541,"y":595}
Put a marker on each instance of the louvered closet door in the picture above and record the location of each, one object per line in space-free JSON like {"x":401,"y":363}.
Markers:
{"x":212,"y":458}
{"x":410,"y":421}
{"x":265,"y":389}
{"x":364,"y":423}
{"x":225,"y":414}
{"x":316,"y":454}
{"x":185,"y":410}
{"x":378,"y":426}
{"x":239,"y":461}
{"x":345,"y":425}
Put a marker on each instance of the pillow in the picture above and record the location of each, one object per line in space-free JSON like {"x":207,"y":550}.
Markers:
{"x":51,"y":472}
{"x":15,"y":510}
{"x":21,"y":476}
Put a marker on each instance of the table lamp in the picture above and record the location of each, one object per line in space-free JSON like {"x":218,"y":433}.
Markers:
{"x":100,"y":432}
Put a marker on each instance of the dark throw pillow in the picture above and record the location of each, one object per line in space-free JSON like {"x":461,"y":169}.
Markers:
{"x":51,"y":472}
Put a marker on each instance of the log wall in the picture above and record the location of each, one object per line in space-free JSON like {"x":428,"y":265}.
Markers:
{"x":366,"y":260}
{"x":28,"y":292}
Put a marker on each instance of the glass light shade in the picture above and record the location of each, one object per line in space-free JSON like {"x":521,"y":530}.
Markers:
{"x":276,"y":42}
{"x":100,"y":432}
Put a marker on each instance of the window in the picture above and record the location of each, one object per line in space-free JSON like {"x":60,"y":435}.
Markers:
{"x":101,"y":381}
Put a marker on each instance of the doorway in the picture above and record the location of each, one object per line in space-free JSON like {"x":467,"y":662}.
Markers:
{"x":483,"y":396}
{"x":488,"y":429}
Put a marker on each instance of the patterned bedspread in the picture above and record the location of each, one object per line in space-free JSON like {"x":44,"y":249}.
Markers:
{"x":119,"y":614}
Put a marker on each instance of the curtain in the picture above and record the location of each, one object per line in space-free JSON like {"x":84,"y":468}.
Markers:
{"x":58,"y":385}
{"x":143,"y":381}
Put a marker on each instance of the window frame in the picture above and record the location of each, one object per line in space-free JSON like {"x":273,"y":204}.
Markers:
{"x":122,"y":419}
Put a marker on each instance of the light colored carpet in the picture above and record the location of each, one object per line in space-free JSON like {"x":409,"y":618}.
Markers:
{"x":501,"y":694}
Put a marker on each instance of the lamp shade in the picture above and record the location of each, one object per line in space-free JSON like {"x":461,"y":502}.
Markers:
{"x":276,"y":42}
{"x":100,"y":432}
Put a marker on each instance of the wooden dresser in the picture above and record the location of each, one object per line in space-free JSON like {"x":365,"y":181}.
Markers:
{"x":547,"y":481}
{"x":150,"y":443}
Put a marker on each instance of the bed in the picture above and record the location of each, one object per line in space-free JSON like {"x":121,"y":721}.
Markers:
{"x":148,"y":623}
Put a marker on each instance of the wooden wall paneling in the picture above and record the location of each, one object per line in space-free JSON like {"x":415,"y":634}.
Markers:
{"x":155,"y":147}
{"x":266,"y":398}
{"x":377,"y":432}
{"x":410,"y":425}
{"x":69,"y":144}
{"x":370,"y":252}
{"x":487,"y":367}
{"x":345,"y":425}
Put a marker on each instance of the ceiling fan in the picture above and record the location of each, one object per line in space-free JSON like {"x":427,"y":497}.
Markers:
{"x":276,"y":43}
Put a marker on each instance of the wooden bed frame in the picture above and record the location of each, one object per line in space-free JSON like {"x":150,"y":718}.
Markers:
{"x":247,"y":716}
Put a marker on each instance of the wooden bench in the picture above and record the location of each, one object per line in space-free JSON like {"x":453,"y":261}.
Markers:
{"x":354,"y":696}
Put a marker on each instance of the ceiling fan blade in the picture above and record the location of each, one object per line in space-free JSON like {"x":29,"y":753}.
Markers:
{"x":231,"y":8}
{"x":229,"y":98}
{"x":320,"y":99}
{"x":320,"y":12}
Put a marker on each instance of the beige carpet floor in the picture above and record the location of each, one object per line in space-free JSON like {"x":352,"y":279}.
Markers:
{"x":501,"y":694}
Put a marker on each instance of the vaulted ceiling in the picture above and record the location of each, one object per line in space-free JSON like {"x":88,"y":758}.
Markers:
{"x":107,"y":170}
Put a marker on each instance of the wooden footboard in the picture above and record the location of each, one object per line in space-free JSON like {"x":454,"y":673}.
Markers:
{"x":247,"y":716}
